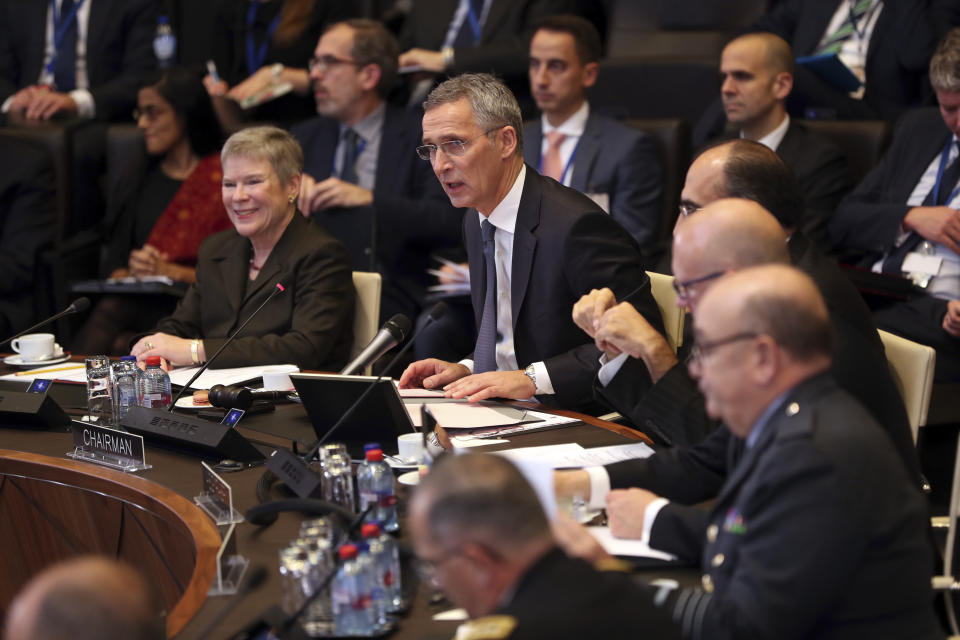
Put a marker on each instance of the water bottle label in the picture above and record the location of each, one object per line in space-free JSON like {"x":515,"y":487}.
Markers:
{"x":388,"y":500}
{"x":367,"y":498}
{"x":388,"y":578}
{"x":164,"y":47}
{"x":361,"y":602}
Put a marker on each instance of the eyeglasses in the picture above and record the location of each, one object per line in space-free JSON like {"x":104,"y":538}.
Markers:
{"x":323,"y":63}
{"x":150,"y":112}
{"x":427,"y":568}
{"x":701,"y":350}
{"x":451,"y":147}
{"x":687,"y":207}
{"x":683,"y":287}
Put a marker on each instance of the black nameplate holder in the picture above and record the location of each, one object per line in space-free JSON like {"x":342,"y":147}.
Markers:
{"x":295,"y":473}
{"x":216,"y":498}
{"x":32,"y":408}
{"x":190,"y":434}
{"x":107,"y":447}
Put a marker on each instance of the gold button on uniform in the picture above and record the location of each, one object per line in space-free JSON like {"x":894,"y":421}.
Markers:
{"x":707,"y":583}
{"x":793,"y":409}
{"x":717,"y":560}
{"x":712,"y":531}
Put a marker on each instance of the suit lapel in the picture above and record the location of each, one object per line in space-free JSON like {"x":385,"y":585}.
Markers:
{"x":35,"y":22}
{"x":788,"y":149}
{"x":471,"y":224}
{"x":811,"y":36}
{"x":274,"y":265}
{"x":100,"y":11}
{"x":392,"y":147}
{"x":234,"y":264}
{"x":532,"y":142}
{"x":524,"y":241}
{"x":498,"y":8}
{"x":588,"y":150}
{"x":327,"y":140}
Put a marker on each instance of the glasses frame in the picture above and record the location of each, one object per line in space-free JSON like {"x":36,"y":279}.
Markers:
{"x":682,"y":287}
{"x":452,"y":148}
{"x":701,"y":350}
{"x":325,"y":62}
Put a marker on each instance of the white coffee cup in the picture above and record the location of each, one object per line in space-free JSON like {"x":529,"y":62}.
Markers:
{"x":34,"y":346}
{"x":277,"y":377}
{"x":410,"y":448}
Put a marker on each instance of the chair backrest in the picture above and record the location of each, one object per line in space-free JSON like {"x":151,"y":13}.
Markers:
{"x":662,"y":288}
{"x":366,"y":317}
{"x":912,"y":367}
{"x":862,"y":141}
{"x":673,"y":139}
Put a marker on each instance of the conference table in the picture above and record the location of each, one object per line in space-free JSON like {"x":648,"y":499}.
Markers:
{"x":149,"y":518}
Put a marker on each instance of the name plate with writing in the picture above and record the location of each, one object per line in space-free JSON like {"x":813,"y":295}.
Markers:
{"x":108,"y":447}
{"x":216,"y":498}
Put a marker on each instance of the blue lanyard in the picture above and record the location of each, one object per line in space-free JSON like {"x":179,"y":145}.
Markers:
{"x":566,"y":169}
{"x":474,"y":21}
{"x":944,"y":157}
{"x":255,"y":61}
{"x":60,"y":27}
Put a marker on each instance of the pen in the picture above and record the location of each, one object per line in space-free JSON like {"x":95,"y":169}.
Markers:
{"x":51,"y":370}
{"x":212,"y":70}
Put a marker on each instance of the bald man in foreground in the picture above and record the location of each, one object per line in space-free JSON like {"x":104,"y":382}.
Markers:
{"x":89,"y":598}
{"x":757,"y":72}
{"x":817,"y":531}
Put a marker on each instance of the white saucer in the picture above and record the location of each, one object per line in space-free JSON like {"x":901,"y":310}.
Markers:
{"x":18,"y":361}
{"x":411,"y":478}
{"x":186,"y":402}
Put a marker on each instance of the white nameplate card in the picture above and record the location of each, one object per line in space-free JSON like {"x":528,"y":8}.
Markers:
{"x":216,"y":499}
{"x":108,"y":447}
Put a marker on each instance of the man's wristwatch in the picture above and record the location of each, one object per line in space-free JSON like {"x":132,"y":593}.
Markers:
{"x":531,"y":373}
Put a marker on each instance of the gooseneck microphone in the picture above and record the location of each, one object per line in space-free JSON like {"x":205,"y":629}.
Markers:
{"x":390,"y":335}
{"x":278,"y":289}
{"x":78,"y":305}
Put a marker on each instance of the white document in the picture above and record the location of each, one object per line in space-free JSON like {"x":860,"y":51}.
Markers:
{"x":540,"y":477}
{"x":600,"y":456}
{"x":468,"y":442}
{"x":916,"y":262}
{"x":463,"y":415}
{"x":65,"y":371}
{"x":419,"y":393}
{"x":211,"y":377}
{"x":633,"y":548}
{"x":546,"y":454}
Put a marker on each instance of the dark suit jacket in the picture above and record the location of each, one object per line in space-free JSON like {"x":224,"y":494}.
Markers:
{"x":28,"y":217}
{"x":564,"y":245}
{"x":868,"y":220}
{"x":672,"y":410}
{"x":411,"y":216}
{"x":824,"y":177}
{"x":903,"y":40}
{"x":504,"y":40}
{"x":119,"y":50}
{"x":616,"y":160}
{"x":563,"y":598}
{"x":817,"y":532}
{"x":310,"y":324}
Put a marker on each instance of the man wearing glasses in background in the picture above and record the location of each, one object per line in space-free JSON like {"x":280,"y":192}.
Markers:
{"x":361,"y":178}
{"x":534,"y":247}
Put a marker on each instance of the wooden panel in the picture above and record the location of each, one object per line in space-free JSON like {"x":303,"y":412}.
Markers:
{"x":52,"y":509}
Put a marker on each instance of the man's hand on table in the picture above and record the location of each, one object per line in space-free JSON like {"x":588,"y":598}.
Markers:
{"x":515,"y":385}
{"x":625,"y":511}
{"x":431,"y":374}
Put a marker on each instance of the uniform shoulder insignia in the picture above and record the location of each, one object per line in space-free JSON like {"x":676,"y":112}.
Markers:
{"x":487,"y":628}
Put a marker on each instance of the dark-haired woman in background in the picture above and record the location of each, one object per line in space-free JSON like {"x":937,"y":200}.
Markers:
{"x":261,"y":43}
{"x":165,"y":208}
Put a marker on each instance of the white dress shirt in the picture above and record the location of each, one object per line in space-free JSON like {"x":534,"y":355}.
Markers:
{"x":572,"y":128}
{"x":504,"y":218}
{"x":773,"y":139}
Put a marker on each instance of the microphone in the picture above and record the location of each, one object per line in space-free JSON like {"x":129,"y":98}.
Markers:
{"x":276,"y":291}
{"x":390,"y":335}
{"x":291,"y":469}
{"x":78,"y":305}
{"x":255,"y":579}
{"x":237,"y":397}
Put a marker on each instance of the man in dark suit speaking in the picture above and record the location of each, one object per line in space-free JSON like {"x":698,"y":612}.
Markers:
{"x":534,"y":248}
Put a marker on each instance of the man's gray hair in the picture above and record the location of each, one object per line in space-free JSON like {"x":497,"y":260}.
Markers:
{"x":270,"y":143}
{"x":493,"y":104}
{"x":945,"y":63}
{"x":482,"y":497}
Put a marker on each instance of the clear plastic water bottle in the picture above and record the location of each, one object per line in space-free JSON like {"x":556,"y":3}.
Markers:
{"x":124,"y":385}
{"x":337,"y":480}
{"x":391,"y":571}
{"x":154,"y":388}
{"x":164,"y":43}
{"x":370,"y":560}
{"x":375,"y":485}
{"x":350,"y":595}
{"x":99,"y":390}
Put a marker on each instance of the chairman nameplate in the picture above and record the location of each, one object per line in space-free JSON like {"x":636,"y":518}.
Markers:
{"x":108,"y":447}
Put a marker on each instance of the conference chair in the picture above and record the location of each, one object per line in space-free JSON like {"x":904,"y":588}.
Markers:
{"x":673,"y":139}
{"x":662,"y":288}
{"x":912,"y":367}
{"x":366,"y":317}
{"x":861,"y":141}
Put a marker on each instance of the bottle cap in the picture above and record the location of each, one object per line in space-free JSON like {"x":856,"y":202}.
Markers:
{"x":348,"y":551}
{"x":153,"y":361}
{"x":128,"y":358}
{"x":374,"y":455}
{"x":371,"y":445}
{"x":370,"y":530}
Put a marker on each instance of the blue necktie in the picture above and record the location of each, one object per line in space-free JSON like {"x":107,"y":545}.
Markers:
{"x":351,"y":143}
{"x":466,"y":36}
{"x":65,"y":60}
{"x":485,"y":354}
{"x":893,"y":264}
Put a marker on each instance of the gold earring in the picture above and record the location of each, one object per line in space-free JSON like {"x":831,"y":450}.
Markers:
{"x":292,"y":199}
